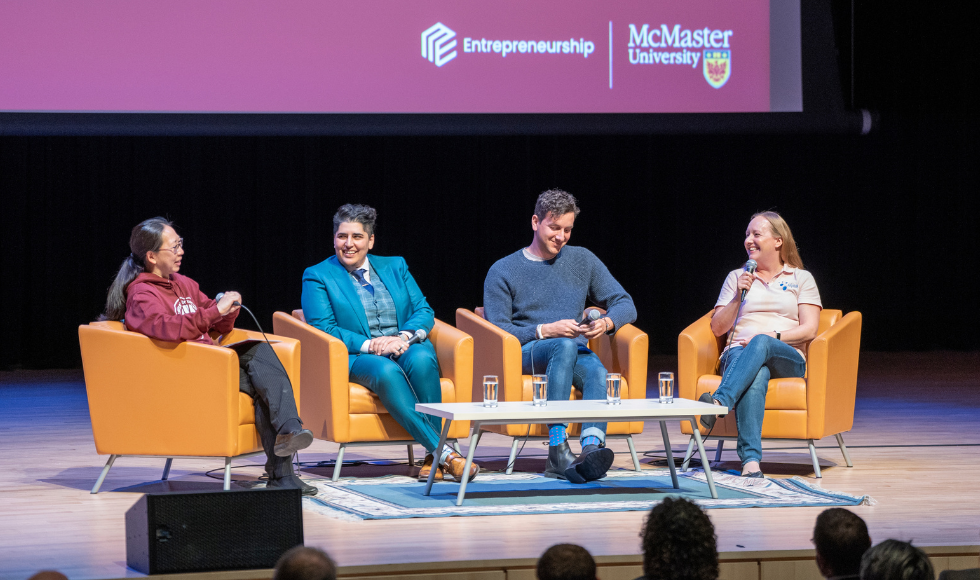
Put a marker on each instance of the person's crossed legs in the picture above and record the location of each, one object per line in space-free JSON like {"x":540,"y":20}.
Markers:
{"x":566,"y":364}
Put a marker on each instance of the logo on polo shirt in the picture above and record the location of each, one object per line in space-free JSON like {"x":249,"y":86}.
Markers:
{"x":788,"y":286}
{"x":184,"y":306}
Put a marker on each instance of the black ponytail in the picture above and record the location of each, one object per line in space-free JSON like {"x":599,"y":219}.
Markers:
{"x":146,"y":237}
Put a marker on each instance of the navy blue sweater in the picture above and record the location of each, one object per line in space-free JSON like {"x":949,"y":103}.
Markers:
{"x":519,"y":294}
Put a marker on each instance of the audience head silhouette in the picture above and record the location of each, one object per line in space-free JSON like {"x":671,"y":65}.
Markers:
{"x":896,"y":560}
{"x":566,"y":562}
{"x":679,"y":543}
{"x":841,"y":539}
{"x":303,"y":563}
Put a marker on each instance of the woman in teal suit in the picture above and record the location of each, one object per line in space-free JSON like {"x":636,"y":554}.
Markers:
{"x":375,"y":307}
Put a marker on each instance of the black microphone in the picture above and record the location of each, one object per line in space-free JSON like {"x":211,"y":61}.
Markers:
{"x":750,"y":267}
{"x":218,"y":296}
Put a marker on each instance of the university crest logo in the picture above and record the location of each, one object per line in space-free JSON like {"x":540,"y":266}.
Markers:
{"x":717,"y":67}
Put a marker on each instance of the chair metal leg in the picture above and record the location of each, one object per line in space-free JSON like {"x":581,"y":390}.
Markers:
{"x":227,"y":473}
{"x":166,"y":469}
{"x":718,"y":450}
{"x":687,"y":456}
{"x":636,"y":460}
{"x":411,"y":454}
{"x":105,"y":471}
{"x":512,"y":458}
{"x":338,"y":463}
{"x":813,"y":457}
{"x":843,"y":449}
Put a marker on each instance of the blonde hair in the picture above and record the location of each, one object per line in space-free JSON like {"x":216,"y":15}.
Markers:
{"x":788,"y":253}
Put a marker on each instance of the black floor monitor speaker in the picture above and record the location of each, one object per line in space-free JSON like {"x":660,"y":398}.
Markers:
{"x":222,"y":530}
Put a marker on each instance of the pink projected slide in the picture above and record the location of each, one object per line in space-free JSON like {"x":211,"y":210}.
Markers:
{"x":384,"y":56}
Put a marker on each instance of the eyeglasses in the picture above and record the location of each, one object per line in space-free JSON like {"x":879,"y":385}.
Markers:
{"x":177,"y":246}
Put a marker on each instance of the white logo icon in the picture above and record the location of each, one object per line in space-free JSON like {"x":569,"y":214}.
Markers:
{"x":184,"y":306}
{"x":437,"y":40}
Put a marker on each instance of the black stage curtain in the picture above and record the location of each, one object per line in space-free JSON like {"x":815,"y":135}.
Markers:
{"x":887,"y":223}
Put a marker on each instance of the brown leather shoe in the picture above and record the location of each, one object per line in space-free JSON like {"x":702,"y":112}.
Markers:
{"x":427,"y":467}
{"x":454,"y":467}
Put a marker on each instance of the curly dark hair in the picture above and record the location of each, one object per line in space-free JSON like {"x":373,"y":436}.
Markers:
{"x":841,"y":538}
{"x":557,"y":202}
{"x":566,"y":562}
{"x":896,"y":560}
{"x":679,"y":542}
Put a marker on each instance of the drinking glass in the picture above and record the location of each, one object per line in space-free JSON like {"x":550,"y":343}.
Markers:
{"x":490,"y":391}
{"x":613,"y":383}
{"x":539,"y":390}
{"x":666,"y":387}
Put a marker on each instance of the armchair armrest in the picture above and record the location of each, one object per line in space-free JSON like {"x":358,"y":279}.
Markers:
{"x":325,"y":363}
{"x":626,"y":352}
{"x":499,"y":353}
{"x":454,"y":349}
{"x":150,"y":397}
{"x":832,"y":377}
{"x":697,"y":354}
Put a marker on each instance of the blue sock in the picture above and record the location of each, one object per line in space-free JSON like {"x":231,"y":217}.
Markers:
{"x":590,"y":440}
{"x":556,"y":435}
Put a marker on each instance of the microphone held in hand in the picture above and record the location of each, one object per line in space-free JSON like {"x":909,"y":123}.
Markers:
{"x":218,"y":296}
{"x":418,"y":337}
{"x":750,"y":267}
{"x":589,"y":314}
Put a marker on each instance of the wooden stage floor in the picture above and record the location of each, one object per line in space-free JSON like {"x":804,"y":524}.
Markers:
{"x":915,"y":447}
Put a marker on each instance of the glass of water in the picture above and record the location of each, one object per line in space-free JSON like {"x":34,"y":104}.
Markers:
{"x":490,"y":391}
{"x":613,"y":383}
{"x":666,"y":387}
{"x":539,"y":390}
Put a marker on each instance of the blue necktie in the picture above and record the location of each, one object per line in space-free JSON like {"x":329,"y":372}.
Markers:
{"x":359,"y":274}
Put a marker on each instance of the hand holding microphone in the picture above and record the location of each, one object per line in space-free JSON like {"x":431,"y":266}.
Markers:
{"x":228,"y":302}
{"x":398,"y":347}
{"x":596,"y":325}
{"x":746,"y":279}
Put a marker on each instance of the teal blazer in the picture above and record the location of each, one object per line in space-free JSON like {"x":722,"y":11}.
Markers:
{"x":330,"y":302}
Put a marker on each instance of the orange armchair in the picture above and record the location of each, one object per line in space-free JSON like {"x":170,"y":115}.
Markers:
{"x":349,"y":414}
{"x":810,"y":408}
{"x":153,"y":398}
{"x":499,"y":353}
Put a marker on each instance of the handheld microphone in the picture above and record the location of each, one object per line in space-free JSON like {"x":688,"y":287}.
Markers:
{"x":590,"y":314}
{"x":418,"y":337}
{"x":217,"y":298}
{"x":750,"y":267}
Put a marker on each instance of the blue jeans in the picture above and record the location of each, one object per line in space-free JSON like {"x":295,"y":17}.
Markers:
{"x":568,"y":363}
{"x":745,"y":382}
{"x":400,"y":383}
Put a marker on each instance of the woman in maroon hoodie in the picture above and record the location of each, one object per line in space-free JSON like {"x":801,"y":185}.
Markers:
{"x":153,"y":299}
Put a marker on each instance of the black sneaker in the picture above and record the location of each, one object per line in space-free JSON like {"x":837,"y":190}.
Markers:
{"x":290,"y":443}
{"x":291,"y":481}
{"x":592,"y":464}
{"x":707,"y":420}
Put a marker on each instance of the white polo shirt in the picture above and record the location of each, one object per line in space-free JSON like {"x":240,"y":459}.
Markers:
{"x":772,"y":307}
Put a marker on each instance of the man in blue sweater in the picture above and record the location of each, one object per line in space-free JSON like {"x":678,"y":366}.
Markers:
{"x":538,"y":294}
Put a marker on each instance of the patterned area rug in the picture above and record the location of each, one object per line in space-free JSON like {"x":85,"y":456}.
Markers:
{"x":527,"y":493}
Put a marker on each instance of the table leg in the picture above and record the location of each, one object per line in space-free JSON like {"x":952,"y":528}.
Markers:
{"x":474,"y":441}
{"x":704,"y":461}
{"x":670,"y":455}
{"x":436,"y":455}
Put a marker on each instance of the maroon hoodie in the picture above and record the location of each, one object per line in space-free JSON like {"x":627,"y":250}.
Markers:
{"x":174,"y":310}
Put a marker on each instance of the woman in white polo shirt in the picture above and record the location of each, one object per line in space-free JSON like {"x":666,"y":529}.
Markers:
{"x":772,"y":328}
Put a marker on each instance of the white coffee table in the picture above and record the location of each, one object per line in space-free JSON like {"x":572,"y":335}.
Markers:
{"x":570,"y":412}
